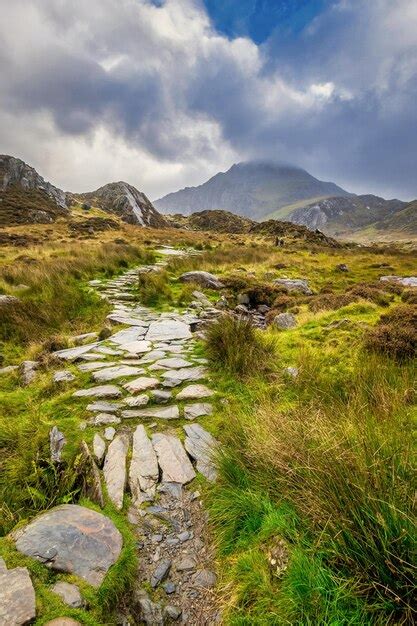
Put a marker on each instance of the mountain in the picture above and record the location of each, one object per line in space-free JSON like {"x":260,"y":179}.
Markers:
{"x":254,"y":189}
{"x":131,"y":205}
{"x":403,"y":222}
{"x":342,"y":215}
{"x":25,"y":197}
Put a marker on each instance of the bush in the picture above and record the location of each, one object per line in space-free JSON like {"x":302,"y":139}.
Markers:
{"x":409,"y":296}
{"x":373,"y":293}
{"x":395,"y":335}
{"x":330,"y":301}
{"x":259,"y":292}
{"x":235,"y":346}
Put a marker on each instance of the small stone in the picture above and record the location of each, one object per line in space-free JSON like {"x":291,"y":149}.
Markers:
{"x":28,"y":371}
{"x":169,"y":587}
{"x":104,"y":418}
{"x":294,"y":284}
{"x":63,"y":376}
{"x":17,"y":597}
{"x":204,"y":578}
{"x":342,"y":267}
{"x":160,"y":573}
{"x":118,"y":371}
{"x":137,"y":401}
{"x":69,"y":593}
{"x":186,"y":564}
{"x":160,"y":396}
{"x":56,"y":444}
{"x":102,"y":406}
{"x":141,"y":384}
{"x":204,"y":279}
{"x":184,"y":536}
{"x":172,"y":612}
{"x":150,"y":612}
{"x":156,"y":538}
{"x":109,"y":433}
{"x":292,"y":371}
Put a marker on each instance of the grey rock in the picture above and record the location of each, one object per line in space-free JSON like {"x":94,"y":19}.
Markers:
{"x":342,"y":267}
{"x":202,"y":298}
{"x":141,"y":384}
{"x":136,"y":347}
{"x":176,"y":377}
{"x":137,"y":401}
{"x":28,"y":371}
{"x":192,"y":392}
{"x":109,"y":433}
{"x":163,"y":413}
{"x":118,"y":371}
{"x":127,"y":336}
{"x":56,"y":444}
{"x":9,"y":300}
{"x":17,"y":597}
{"x":284,"y":321}
{"x":173,"y":489}
{"x":95,"y":365}
{"x":186,"y":564}
{"x":90,"y":474}
{"x":150,"y":612}
{"x":160,"y":396}
{"x":101,"y":391}
{"x":292,"y":371}
{"x":81,"y":339}
{"x":204,"y":279}
{"x":72,"y":354}
{"x":143,"y":471}
{"x":69,"y":593}
{"x":101,"y":406}
{"x":115,"y":469}
{"x":74,"y":539}
{"x":204,"y":578}
{"x":169,"y":587}
{"x":172,"y":612}
{"x":167,"y":330}
{"x":185,"y":535}
{"x":99,"y":447}
{"x":172,"y":458}
{"x":243,"y":298}
{"x":62,"y":621}
{"x":63,"y":376}
{"x":172,"y":363}
{"x":199,"y":409}
{"x":201,"y":446}
{"x":160,"y":573}
{"x":8,"y":369}
{"x":294,"y":284}
{"x":108,"y":351}
{"x":104,"y":418}
{"x":405,"y":281}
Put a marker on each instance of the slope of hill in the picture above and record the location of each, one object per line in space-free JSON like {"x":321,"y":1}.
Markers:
{"x":131,"y":205}
{"x":403,"y":222}
{"x":253,"y":189}
{"x":216,"y":220}
{"x":25,"y":197}
{"x":346,"y":214}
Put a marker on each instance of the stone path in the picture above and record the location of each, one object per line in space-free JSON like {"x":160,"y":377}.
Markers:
{"x":147,"y":389}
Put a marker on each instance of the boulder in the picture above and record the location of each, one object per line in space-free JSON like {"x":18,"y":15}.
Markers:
{"x":204,"y":279}
{"x":284,"y":321}
{"x":294,"y":284}
{"x":17,"y":596}
{"x":71,"y":538}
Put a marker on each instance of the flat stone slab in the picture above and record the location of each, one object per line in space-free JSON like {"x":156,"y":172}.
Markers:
{"x":168,"y":329}
{"x":164,"y":413}
{"x":176,"y":377}
{"x":108,"y":351}
{"x":69,"y":593}
{"x":17,"y":597}
{"x":201,"y":446}
{"x":127,"y":335}
{"x":101,"y":406}
{"x":172,"y":458}
{"x":129,"y":321}
{"x":74,"y":539}
{"x":193,"y":392}
{"x":137,"y":401}
{"x":136,"y":347}
{"x":104,"y":418}
{"x":101,"y":391}
{"x":172,"y":363}
{"x":143,"y":471}
{"x":99,"y":447}
{"x":114,"y":469}
{"x":63,"y":376}
{"x":204,"y":279}
{"x":118,"y":371}
{"x":72,"y":354}
{"x":141,"y":384}
{"x":95,"y":365}
{"x":199,"y":409}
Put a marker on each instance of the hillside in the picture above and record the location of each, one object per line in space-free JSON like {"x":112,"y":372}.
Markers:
{"x":340,"y":215}
{"x":253,"y":189}
{"x":403,"y":221}
{"x":25,"y":197}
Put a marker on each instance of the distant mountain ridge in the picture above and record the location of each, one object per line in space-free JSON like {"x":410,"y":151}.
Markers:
{"x":253,"y":189}
{"x":26,"y":198}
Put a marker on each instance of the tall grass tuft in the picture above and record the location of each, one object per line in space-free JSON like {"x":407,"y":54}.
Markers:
{"x":235,"y":346}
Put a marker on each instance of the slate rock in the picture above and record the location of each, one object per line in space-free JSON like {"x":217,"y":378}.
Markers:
{"x":179,"y":376}
{"x":56,"y":444}
{"x":136,"y":347}
{"x":69,"y":593}
{"x":192,"y":392}
{"x":204,"y":578}
{"x":172,"y":612}
{"x":204,"y":279}
{"x":199,"y":409}
{"x":63,"y":621}
{"x":160,"y":396}
{"x":160,"y":573}
{"x":28,"y":371}
{"x":95,"y":365}
{"x":294,"y":284}
{"x":167,"y":330}
{"x":118,"y":371}
{"x":163,"y":413}
{"x":99,"y":447}
{"x":63,"y":376}
{"x":201,"y":446}
{"x":109,"y":433}
{"x":172,"y":458}
{"x":114,"y":469}
{"x":150,"y":612}
{"x":143,"y":471}
{"x":101,"y":391}
{"x":127,"y":336}
{"x":17,"y":597}
{"x":72,"y":354}
{"x":104,"y":418}
{"x":137,"y":401}
{"x":71,"y":538}
{"x":172,"y":363}
{"x":141,"y":384}
{"x":186,"y":564}
{"x":101,"y":406}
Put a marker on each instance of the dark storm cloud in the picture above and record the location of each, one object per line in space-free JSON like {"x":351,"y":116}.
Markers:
{"x":336,"y":97}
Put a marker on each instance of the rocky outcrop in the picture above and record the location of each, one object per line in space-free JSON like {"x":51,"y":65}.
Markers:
{"x":130,"y":204}
{"x":204,"y":279}
{"x":26,"y":197}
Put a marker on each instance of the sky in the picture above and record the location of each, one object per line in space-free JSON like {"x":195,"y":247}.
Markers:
{"x":165,"y":93}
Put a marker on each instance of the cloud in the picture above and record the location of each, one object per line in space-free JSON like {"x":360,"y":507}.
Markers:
{"x":152,"y":93}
